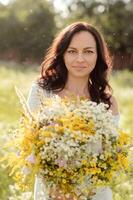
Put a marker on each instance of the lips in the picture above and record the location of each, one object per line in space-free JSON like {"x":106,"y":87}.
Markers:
{"x":79,"y":67}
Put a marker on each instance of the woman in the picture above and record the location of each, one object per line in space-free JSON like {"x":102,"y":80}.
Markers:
{"x":77,"y":63}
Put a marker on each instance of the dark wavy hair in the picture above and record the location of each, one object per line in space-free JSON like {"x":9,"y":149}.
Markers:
{"x":54,"y":72}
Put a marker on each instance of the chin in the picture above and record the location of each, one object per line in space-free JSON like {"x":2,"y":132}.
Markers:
{"x":80,"y":75}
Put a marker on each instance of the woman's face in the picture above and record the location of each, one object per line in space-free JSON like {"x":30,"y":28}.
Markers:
{"x":81,"y":55}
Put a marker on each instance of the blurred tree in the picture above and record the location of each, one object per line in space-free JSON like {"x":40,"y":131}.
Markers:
{"x":116,"y":28}
{"x":38,"y":31}
{"x":27,"y":29}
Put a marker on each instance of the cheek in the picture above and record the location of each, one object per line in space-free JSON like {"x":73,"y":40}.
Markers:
{"x":92,"y":60}
{"x":67,"y":61}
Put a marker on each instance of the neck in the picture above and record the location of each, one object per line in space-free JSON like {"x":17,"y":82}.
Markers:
{"x":77,"y":86}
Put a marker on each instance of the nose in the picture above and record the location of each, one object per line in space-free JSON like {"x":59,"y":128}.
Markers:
{"x":80,"y":57}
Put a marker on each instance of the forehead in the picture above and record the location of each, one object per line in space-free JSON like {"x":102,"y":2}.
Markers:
{"x":83,"y":39}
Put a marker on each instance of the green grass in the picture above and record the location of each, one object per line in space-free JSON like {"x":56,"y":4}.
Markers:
{"x":22,"y":76}
{"x":10,"y":77}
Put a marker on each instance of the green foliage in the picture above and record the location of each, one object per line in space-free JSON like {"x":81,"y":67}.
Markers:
{"x":12,"y":74}
{"x":27,"y":29}
{"x":11,"y":77}
{"x":119,"y":35}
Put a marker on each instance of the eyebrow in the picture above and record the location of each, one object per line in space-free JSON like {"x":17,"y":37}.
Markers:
{"x":84,"y":48}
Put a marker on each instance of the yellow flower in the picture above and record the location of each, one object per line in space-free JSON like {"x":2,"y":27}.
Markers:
{"x":92,"y":163}
{"x":94,"y":170}
{"x":59,"y":129}
{"x":40,"y":143}
{"x":109,"y":175}
{"x":123,"y":161}
{"x":84,"y":162}
{"x":103,"y":165}
{"x":51,"y":173}
{"x":123,"y":139}
{"x":64,"y":181}
{"x":47,"y":134}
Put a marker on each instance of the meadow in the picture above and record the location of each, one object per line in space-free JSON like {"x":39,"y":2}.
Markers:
{"x":22,"y":76}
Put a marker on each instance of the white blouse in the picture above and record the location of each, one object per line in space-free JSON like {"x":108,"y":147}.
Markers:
{"x":34,"y":101}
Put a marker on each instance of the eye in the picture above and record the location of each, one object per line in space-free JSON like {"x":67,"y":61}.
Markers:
{"x":71,"y":51}
{"x":88,"y":51}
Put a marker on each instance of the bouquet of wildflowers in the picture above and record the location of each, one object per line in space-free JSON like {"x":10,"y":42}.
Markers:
{"x":72,"y":145}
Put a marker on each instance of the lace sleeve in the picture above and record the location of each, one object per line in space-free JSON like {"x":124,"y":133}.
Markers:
{"x":35,"y":96}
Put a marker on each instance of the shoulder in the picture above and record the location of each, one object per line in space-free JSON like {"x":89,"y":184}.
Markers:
{"x":35,"y":97}
{"x":36,"y":89}
{"x":37,"y":92}
{"x":114,"y":105}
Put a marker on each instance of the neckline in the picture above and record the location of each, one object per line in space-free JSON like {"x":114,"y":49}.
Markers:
{"x":71,"y":95}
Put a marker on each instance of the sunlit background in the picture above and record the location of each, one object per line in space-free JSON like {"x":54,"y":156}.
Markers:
{"x":27,"y":28}
{"x":5,"y":2}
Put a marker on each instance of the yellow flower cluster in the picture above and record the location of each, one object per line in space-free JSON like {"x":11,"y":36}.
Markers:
{"x":71,"y":148}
